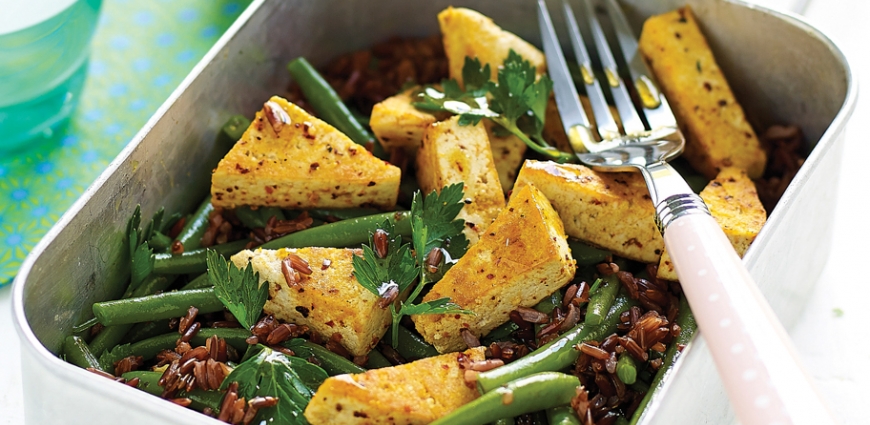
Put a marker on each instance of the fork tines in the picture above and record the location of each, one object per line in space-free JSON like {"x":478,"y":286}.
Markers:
{"x":577,"y":125}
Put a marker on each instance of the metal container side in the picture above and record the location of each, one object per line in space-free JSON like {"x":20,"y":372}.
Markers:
{"x":790,"y":73}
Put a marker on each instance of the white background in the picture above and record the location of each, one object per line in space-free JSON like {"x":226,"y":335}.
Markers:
{"x":830,"y":336}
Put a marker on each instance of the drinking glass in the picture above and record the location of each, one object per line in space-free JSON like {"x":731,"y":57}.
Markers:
{"x":44,"y":47}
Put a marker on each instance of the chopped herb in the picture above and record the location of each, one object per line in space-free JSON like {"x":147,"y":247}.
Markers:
{"x":269,"y":373}
{"x":239,"y":290}
{"x":396,"y":268}
{"x":433,"y":226}
{"x":518,"y":102}
{"x":142,"y":263}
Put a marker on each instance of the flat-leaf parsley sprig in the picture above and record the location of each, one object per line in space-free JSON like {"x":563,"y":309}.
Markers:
{"x":389,"y":268}
{"x":518,"y":102}
{"x":289,"y":381}
{"x":238,"y":289}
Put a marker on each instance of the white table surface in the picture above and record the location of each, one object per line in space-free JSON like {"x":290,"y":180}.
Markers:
{"x":830,"y":336}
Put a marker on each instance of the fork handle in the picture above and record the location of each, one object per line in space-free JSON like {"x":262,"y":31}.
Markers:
{"x":760,"y":369}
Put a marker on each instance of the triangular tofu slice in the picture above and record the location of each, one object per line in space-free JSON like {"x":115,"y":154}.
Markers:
{"x":398,"y":124}
{"x":469,"y":33}
{"x":609,"y":210}
{"x":290,"y":159}
{"x":329,"y":300}
{"x":733,"y":202}
{"x":522,"y":258}
{"x":453,"y":153}
{"x":415,"y":393}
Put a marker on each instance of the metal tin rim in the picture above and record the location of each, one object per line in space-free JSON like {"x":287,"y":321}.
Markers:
{"x":93,"y":382}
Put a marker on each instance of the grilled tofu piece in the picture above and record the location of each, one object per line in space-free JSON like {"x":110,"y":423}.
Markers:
{"x":715,"y":126}
{"x":522,"y":258}
{"x":452,"y":154}
{"x":290,"y":159}
{"x":399,"y":125}
{"x":734,"y":203}
{"x":329,"y":301}
{"x":610,"y":210}
{"x":410,"y":394}
{"x":507,"y":151}
{"x":469,"y":33}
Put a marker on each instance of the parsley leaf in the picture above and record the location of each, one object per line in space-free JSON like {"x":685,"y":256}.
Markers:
{"x":433,"y":219}
{"x":239,"y":290}
{"x":517,"y":103}
{"x":433,"y":226}
{"x":291,"y":380}
{"x":475,"y":77}
{"x":396,"y":268}
{"x":439,"y":306}
{"x":142,"y":263}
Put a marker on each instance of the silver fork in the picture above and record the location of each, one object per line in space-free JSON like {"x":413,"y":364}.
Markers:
{"x":762,"y":375}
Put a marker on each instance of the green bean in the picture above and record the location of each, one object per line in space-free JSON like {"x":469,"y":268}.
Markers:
{"x":686,"y":320}
{"x":585,"y":254}
{"x":327,"y":103}
{"x":601,"y":300}
{"x":195,"y":226}
{"x":525,"y":395}
{"x":621,"y":421}
{"x":148,"y":382}
{"x":413,"y":347}
{"x":112,"y":335}
{"x":501,"y":333}
{"x":625,"y":369}
{"x":249,"y":217}
{"x":377,"y":360}
{"x":159,"y":242}
{"x":332,"y":363}
{"x":193,"y":261}
{"x":268,"y":212}
{"x":352,"y":232}
{"x":253,"y":218}
{"x":142,"y":331}
{"x":155,"y":307}
{"x":148,"y":348}
{"x":557,"y":354}
{"x":236,"y":126}
{"x":199,"y":282}
{"x":562,"y":415}
{"x":341,"y":214}
{"x":77,"y":352}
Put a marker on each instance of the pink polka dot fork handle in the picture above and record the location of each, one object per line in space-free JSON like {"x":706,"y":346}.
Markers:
{"x":763,"y":377}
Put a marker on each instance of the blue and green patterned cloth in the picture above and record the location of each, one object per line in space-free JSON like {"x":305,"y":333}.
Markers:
{"x":140,"y":53}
